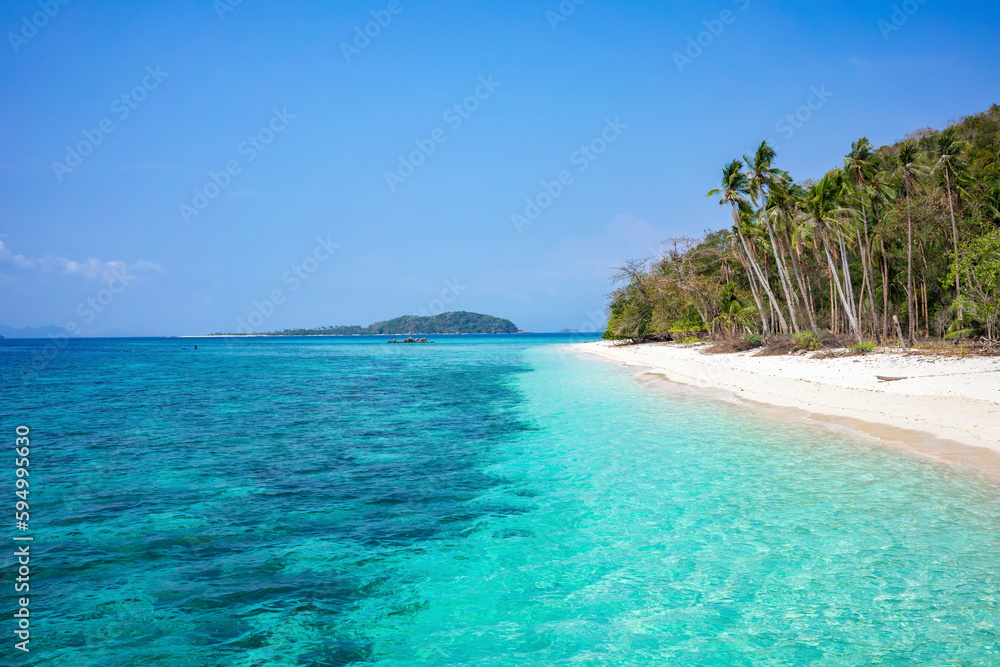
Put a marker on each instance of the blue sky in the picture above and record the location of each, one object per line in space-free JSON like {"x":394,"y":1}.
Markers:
{"x":299,"y":134}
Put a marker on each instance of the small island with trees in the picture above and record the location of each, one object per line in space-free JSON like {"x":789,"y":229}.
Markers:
{"x":460,"y":322}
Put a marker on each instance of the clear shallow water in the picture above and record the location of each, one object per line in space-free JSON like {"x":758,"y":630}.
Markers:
{"x":492,"y":501}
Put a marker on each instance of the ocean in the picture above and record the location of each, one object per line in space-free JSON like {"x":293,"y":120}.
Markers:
{"x":480,"y":501}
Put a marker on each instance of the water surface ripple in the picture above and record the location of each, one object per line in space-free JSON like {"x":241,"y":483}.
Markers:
{"x":485,"y":500}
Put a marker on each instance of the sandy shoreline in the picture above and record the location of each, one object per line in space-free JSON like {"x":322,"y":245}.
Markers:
{"x":947,"y":408}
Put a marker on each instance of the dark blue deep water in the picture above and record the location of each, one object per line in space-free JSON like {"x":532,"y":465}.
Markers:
{"x":483,"y":500}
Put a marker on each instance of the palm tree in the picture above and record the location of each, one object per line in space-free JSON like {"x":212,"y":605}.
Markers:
{"x":734,"y":191}
{"x":735,"y":314}
{"x":880,"y":194}
{"x":860,"y":170}
{"x":843,"y":231}
{"x":761,"y":175}
{"x":784,"y":197}
{"x":753,"y":235}
{"x":822,"y":206}
{"x":910,"y":172}
{"x":950,"y":151}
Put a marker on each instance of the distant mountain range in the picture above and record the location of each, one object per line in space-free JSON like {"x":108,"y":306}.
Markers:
{"x":30,"y":332}
{"x":447,"y":323}
{"x":46,"y":331}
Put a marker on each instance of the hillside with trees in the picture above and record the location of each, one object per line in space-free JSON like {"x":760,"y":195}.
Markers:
{"x":460,"y":322}
{"x":447,"y":323}
{"x":907,"y":234}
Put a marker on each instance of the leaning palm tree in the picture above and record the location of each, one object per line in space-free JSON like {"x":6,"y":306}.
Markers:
{"x":784,"y":198}
{"x":844,"y":231}
{"x":861,"y":171}
{"x":734,"y":192}
{"x":823,"y":207}
{"x":760,"y":176}
{"x":753,"y":233}
{"x":880,"y":194}
{"x":910,"y":172}
{"x":949,"y":159}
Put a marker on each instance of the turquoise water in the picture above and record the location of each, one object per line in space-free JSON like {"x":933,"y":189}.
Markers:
{"x":488,"y":501}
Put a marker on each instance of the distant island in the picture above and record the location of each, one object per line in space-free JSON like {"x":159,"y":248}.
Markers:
{"x":447,"y":323}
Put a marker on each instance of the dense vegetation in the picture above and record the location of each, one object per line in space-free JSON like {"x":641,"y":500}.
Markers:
{"x":447,"y":323}
{"x":907,"y":233}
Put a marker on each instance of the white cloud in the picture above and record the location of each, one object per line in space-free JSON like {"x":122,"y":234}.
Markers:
{"x":91,"y":269}
{"x":20,"y":261}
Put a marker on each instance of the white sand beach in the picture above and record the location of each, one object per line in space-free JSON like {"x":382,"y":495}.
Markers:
{"x":954,"y":400}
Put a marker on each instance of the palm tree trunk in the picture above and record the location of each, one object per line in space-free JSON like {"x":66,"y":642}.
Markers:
{"x":864,"y":283}
{"x":954,"y":230}
{"x":834,"y":320}
{"x":861,"y":301}
{"x":848,"y":282}
{"x":797,"y":296}
{"x":753,"y":287}
{"x":762,"y":279}
{"x":806,"y":295}
{"x":782,"y":271}
{"x":765,"y":327}
{"x":840,"y":290}
{"x":885,"y":290}
{"x":910,"y":305}
{"x":927,"y":314}
{"x":809,"y":292}
{"x":866,"y":262}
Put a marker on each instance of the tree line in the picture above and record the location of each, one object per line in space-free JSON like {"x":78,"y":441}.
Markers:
{"x":899,"y":243}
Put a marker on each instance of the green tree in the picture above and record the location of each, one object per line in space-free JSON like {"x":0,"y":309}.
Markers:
{"x":735,"y":191}
{"x":950,"y":161}
{"x":860,"y":170}
{"x":822,"y":206}
{"x":910,"y":171}
{"x":761,"y":176}
{"x":785,"y":196}
{"x":978,"y":261}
